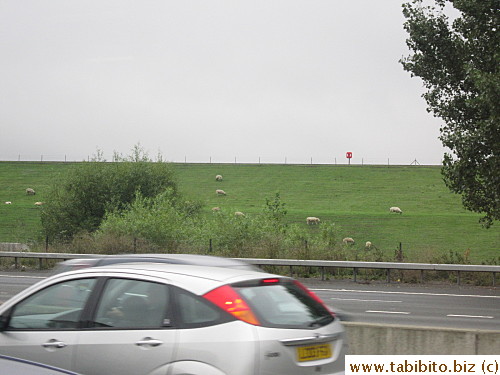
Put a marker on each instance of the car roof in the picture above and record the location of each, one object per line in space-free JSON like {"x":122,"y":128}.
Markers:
{"x":193,"y":259}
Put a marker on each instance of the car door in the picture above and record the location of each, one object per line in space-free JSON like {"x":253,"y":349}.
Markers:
{"x":44,"y":326}
{"x":130,"y":332}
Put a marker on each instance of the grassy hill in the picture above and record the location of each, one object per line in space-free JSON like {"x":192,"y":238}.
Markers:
{"x":355,"y":198}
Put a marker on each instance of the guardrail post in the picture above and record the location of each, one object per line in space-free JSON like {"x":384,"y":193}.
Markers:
{"x":355,"y":273}
{"x":16,"y":266}
{"x":494,"y":279}
{"x":322,"y":273}
{"x":40,"y":263}
{"x":458,"y":277}
{"x":422,"y":276}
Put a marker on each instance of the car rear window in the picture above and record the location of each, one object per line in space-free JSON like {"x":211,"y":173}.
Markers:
{"x":286,"y":305}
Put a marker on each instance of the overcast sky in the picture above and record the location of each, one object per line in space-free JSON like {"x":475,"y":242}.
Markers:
{"x":211,"y":80}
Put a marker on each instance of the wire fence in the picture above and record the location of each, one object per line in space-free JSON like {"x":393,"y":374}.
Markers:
{"x":292,"y":160}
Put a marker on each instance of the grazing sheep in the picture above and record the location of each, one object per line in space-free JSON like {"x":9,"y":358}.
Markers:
{"x":215,"y":209}
{"x":312,"y":220}
{"x":348,"y":241}
{"x":30,"y":191}
{"x":368,"y":245}
{"x":8,"y":202}
{"x":38,"y":203}
{"x":240,"y":214}
{"x":220,"y":192}
{"x":218,"y":178}
{"x":396,"y":210}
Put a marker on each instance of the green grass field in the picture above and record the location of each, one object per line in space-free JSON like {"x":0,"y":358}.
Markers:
{"x":355,"y":198}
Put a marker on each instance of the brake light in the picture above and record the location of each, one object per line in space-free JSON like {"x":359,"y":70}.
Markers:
{"x":229,"y":300}
{"x":270,"y":281}
{"x":313,"y":296}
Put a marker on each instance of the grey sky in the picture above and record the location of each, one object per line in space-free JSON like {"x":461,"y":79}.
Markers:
{"x":273,"y":79}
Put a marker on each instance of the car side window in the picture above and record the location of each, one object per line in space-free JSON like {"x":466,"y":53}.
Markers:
{"x":133,"y":304}
{"x":58,"y":306}
{"x":196,"y":312}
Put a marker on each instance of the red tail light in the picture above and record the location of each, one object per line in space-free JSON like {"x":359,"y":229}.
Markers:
{"x":229,"y":300}
{"x":313,"y":295}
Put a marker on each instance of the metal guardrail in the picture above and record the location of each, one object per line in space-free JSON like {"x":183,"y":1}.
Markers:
{"x":321,"y":264}
{"x":388,"y":266}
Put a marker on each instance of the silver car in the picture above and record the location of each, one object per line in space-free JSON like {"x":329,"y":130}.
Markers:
{"x":145,"y":318}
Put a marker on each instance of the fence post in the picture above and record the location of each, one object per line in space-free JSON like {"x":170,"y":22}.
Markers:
{"x":399,"y":253}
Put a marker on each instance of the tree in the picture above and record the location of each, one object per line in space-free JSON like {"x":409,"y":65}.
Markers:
{"x":458,"y":61}
{"x":80,"y":200}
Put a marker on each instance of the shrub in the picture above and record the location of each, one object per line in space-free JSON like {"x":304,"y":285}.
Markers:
{"x":79,"y":200}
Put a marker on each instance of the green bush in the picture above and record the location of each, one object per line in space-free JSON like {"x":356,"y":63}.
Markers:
{"x":164,"y":220}
{"x":79,"y":201}
{"x":174,"y":224}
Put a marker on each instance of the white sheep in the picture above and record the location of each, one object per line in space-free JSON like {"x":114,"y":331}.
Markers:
{"x":38,"y":203}
{"x":240,"y":214}
{"x":312,"y":220}
{"x":396,"y":210}
{"x":30,"y":191}
{"x":368,"y":245}
{"x":220,"y":192}
{"x":218,"y":178}
{"x":215,"y":209}
{"x":8,"y":202}
{"x":348,"y":241}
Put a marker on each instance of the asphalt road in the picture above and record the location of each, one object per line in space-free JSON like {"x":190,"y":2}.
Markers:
{"x":447,"y":305}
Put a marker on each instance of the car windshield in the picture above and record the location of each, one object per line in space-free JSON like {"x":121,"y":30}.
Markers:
{"x":285,"y":305}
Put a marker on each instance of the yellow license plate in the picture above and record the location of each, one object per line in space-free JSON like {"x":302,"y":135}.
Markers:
{"x":314,"y":352}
